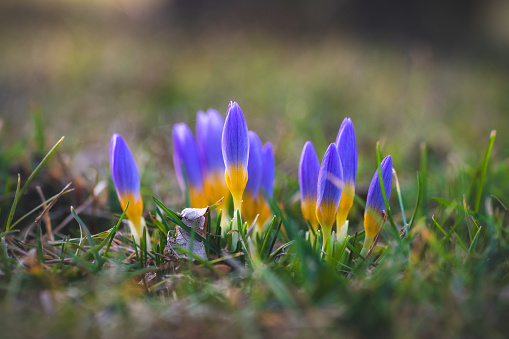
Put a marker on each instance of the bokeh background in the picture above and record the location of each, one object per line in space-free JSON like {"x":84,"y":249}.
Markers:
{"x":405,"y":72}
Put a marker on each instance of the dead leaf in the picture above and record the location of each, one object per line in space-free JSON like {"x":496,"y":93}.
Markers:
{"x":193,"y":218}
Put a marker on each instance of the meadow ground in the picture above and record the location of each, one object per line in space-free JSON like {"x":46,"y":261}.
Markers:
{"x":87,"y":72}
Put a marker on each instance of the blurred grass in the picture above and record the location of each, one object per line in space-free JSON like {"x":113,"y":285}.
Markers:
{"x":95,"y":69}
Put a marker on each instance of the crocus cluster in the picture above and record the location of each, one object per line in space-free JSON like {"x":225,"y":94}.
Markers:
{"x":224,"y":157}
{"x":328,"y":189}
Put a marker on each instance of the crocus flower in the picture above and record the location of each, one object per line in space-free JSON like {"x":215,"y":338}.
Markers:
{"x":375,"y":206}
{"x":309,"y":166}
{"x":255,"y":176}
{"x":347,"y":150}
{"x":126,"y":179}
{"x":330,"y":185}
{"x":235,"y":147}
{"x":187,"y":164}
{"x":209,"y":130}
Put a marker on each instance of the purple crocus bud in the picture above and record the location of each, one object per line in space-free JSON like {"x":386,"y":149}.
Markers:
{"x":187,"y":164}
{"x":330,"y":185}
{"x":347,"y":150}
{"x":375,"y":205}
{"x":235,"y":147}
{"x":309,"y":166}
{"x":126,"y":179}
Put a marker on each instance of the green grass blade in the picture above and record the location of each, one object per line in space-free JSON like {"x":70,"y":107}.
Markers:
{"x":484,"y":169}
{"x":40,"y":205}
{"x":276,"y":234}
{"x":113,"y":231}
{"x":40,"y":251}
{"x":417,"y":203}
{"x":14,"y":204}
{"x":91,"y":240}
{"x":471,"y":249}
{"x":19,"y":194}
{"x":267,"y":237}
{"x":400,"y":199}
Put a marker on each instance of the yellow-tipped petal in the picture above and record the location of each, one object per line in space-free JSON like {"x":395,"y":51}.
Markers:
{"x":345,"y":204}
{"x":236,"y":183}
{"x":308,"y":206}
{"x":135,"y":209}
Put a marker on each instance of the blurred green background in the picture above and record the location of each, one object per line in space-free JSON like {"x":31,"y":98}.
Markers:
{"x":405,"y":73}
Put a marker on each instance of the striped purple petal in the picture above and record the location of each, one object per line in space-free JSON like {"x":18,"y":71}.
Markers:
{"x":123,"y":167}
{"x":234,"y":141}
{"x":347,"y":149}
{"x":269,"y":169}
{"x":255,"y":165}
{"x":209,"y":131}
{"x":330,"y":185}
{"x":309,"y":167}
{"x":185,"y":157}
{"x":375,"y":198}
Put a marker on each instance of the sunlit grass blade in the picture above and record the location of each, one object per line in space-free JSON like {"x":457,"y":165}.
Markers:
{"x":14,"y":205}
{"x":400,"y":199}
{"x":280,"y":248}
{"x":471,"y":249}
{"x":483,"y":171}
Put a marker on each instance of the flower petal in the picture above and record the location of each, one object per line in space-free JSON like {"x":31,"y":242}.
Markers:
{"x":269,"y":169}
{"x":330,"y":185}
{"x":347,"y":150}
{"x":254,"y":168}
{"x":123,"y":168}
{"x":234,"y":141}
{"x":185,"y":157}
